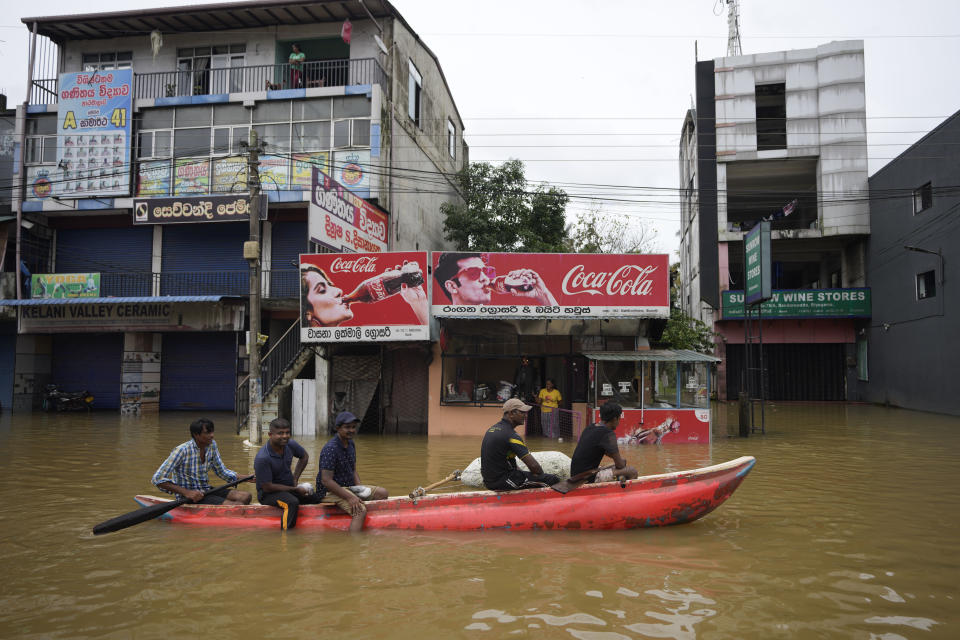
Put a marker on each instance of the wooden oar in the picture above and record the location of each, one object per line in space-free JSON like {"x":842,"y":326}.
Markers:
{"x":151,"y":512}
{"x":422,"y":491}
{"x":568,"y":485}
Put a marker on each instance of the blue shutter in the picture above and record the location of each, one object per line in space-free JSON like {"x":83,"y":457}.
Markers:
{"x":121,"y":256}
{"x":288,"y":241}
{"x":8,"y":355}
{"x":198,"y":371}
{"x":91,"y":362}
{"x":205,"y":259}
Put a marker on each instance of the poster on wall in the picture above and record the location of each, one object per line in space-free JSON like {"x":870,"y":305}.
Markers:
{"x":93,"y":132}
{"x":550,"y":285}
{"x":191,"y":176}
{"x":301,"y":177}
{"x":153,"y":178}
{"x":274,"y":172}
{"x":352,"y":170}
{"x":230,"y":175}
{"x":42,"y":183}
{"x":343,"y":221}
{"x":364,"y":297}
{"x":64,"y":285}
{"x":662,"y":426}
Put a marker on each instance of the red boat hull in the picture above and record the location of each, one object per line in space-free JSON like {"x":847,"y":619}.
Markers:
{"x":650,"y":501}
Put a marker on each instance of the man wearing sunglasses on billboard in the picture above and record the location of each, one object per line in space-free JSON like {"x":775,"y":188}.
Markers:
{"x":466,"y":279}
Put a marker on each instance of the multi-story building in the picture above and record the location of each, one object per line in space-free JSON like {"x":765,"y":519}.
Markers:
{"x":779,"y":136}
{"x":368,"y":105}
{"x":907,"y":357}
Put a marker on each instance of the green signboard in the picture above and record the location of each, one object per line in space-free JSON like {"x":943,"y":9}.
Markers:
{"x":756,"y":247}
{"x":65,"y":285}
{"x":802,"y":303}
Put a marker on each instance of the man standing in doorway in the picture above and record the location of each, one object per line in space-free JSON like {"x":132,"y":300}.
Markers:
{"x":597,"y":441}
{"x":276,"y":486}
{"x":338,"y":481}
{"x":296,"y":67}
{"x":501,"y":447}
{"x":185,"y":470}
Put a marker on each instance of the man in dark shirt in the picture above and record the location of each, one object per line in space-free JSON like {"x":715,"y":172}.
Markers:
{"x":338,"y":481}
{"x":502,"y":446}
{"x":597,"y":441}
{"x":276,"y":486}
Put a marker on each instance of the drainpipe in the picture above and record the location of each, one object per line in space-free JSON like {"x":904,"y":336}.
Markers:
{"x":22,"y":181}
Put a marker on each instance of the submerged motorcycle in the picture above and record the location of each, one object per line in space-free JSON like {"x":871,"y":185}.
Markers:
{"x":56,"y":400}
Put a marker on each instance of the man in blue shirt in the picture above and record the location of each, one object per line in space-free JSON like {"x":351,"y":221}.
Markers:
{"x":338,"y":481}
{"x":185,"y":470}
{"x":276,"y":486}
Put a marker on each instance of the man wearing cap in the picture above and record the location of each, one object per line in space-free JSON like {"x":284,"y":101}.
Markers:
{"x":338,"y":481}
{"x":502,"y":446}
{"x":276,"y":486}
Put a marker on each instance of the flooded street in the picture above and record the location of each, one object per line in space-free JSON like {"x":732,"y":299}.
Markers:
{"x":846,"y":527}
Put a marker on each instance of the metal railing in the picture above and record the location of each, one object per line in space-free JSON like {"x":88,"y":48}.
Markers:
{"x":555,"y":424}
{"x":264,"y":77}
{"x":273,"y":365}
{"x":278,"y":283}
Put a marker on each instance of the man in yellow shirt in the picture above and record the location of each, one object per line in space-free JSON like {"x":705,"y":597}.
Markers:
{"x":549,"y":399}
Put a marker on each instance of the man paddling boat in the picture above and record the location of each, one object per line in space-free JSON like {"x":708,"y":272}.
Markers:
{"x":600,"y":440}
{"x":185,"y":470}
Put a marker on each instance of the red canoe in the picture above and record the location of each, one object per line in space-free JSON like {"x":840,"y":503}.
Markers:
{"x":649,"y":501}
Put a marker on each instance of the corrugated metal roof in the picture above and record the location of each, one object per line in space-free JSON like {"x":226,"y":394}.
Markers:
{"x":50,"y":301}
{"x":655,"y":355}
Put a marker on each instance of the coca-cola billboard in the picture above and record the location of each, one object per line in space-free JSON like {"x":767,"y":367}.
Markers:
{"x":342,"y":220}
{"x":364,"y":297}
{"x":550,"y":285}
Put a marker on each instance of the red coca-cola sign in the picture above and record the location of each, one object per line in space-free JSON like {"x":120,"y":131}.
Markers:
{"x":550,"y":285}
{"x":357,"y":297}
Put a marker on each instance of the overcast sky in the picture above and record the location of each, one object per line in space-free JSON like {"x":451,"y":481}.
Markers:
{"x":591,"y":95}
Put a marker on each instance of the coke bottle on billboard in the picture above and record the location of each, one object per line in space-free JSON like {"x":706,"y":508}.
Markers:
{"x":386,"y":284}
{"x":513,"y":283}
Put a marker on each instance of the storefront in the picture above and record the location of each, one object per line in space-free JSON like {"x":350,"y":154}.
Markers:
{"x":507,"y":323}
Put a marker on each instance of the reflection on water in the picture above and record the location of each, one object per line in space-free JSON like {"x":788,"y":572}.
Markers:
{"x":845,"y":528}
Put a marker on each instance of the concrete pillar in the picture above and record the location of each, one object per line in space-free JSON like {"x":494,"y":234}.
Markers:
{"x":321,"y":389}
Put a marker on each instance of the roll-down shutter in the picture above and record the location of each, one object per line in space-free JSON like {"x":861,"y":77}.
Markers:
{"x":121,"y":256}
{"x":204,"y":259}
{"x":92,"y":362}
{"x":198,"y":371}
{"x":288,"y":241}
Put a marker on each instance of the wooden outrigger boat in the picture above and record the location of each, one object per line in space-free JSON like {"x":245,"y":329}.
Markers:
{"x":648,"y":501}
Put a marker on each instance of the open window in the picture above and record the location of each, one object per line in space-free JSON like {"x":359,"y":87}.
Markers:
{"x":922,"y":198}
{"x":414,"y":88}
{"x":926,"y":285}
{"x":771,"y":116}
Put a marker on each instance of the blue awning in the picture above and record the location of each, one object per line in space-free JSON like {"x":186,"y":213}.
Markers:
{"x":34,"y":302}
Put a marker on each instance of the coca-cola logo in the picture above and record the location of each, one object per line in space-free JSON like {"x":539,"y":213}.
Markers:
{"x":628,"y":280}
{"x":364,"y":264}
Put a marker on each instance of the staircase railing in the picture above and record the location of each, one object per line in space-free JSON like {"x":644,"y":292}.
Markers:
{"x":273,"y":365}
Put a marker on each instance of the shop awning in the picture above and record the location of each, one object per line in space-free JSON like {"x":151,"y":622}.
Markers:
{"x":653,"y":355}
{"x":36,"y":302}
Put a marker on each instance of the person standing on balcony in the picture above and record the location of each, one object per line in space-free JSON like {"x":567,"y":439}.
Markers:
{"x":296,"y":67}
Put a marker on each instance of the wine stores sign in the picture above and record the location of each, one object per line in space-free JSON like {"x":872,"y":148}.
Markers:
{"x":364,"y":297}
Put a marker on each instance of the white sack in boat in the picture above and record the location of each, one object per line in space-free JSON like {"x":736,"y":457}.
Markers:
{"x":555,"y":462}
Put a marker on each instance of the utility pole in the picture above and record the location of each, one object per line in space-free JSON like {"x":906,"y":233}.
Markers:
{"x":251,"y":251}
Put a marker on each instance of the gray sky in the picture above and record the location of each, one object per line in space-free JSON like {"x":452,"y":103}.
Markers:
{"x":591,"y":95}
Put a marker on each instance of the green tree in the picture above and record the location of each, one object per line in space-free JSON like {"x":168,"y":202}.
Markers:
{"x":501,"y":213}
{"x":682,"y":331}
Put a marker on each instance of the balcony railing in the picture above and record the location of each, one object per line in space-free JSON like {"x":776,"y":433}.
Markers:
{"x":278,"y":283}
{"x":174,"y":84}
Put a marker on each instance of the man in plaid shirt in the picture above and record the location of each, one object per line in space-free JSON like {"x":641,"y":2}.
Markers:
{"x":185,"y":470}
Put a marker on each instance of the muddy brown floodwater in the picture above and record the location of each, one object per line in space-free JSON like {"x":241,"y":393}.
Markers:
{"x":846,"y":528}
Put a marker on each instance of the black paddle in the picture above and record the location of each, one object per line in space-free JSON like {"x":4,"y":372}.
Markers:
{"x":149,"y":513}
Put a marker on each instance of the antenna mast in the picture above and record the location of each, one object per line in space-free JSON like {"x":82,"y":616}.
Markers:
{"x":733,"y":28}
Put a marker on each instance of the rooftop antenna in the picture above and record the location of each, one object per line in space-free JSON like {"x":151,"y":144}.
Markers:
{"x":733,"y":28}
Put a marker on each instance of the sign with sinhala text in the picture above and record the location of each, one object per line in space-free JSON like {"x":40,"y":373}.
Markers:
{"x":756,"y":247}
{"x":93,"y":133}
{"x":343,"y":221}
{"x":196,"y":209}
{"x":803,"y":303}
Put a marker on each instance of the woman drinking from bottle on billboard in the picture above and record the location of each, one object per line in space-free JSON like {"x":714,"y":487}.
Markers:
{"x":323,"y":304}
